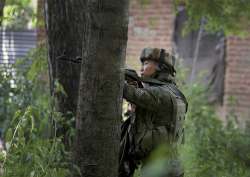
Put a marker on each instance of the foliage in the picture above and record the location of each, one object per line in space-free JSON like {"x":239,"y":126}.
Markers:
{"x":7,"y":106}
{"x":32,"y":147}
{"x":18,"y":14}
{"x":230,"y":16}
{"x":144,"y":3}
{"x":212,"y":148}
{"x":29,"y":152}
{"x":23,"y":84}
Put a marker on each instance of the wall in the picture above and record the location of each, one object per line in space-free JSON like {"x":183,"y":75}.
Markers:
{"x":237,"y":78}
{"x":150,"y":25}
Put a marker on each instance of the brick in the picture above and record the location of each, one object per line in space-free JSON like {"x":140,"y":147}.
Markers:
{"x":149,"y":26}
{"x":237,"y":80}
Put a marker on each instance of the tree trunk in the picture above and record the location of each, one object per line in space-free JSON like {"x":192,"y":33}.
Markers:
{"x":101,"y":83}
{"x":64,"y":26}
{"x":196,"y":52}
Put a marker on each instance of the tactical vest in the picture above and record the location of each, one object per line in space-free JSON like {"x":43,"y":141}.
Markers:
{"x":148,"y":129}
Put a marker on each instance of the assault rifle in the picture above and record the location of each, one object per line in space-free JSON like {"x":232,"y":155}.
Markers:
{"x":132,"y":77}
{"x":127,"y":163}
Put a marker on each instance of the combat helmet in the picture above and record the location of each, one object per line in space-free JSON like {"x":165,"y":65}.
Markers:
{"x":165,"y":59}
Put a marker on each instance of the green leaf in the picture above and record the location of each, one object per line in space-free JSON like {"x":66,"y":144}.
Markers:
{"x":9,"y":134}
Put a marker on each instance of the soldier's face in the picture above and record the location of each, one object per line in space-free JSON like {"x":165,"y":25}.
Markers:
{"x":148,"y":68}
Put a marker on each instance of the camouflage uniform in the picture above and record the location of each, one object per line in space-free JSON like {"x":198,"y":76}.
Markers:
{"x":160,"y":112}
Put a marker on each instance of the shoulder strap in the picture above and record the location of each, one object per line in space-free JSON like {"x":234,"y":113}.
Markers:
{"x":171,"y":86}
{"x":177,"y":92}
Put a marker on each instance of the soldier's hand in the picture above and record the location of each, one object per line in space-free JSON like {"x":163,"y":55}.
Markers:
{"x":134,"y":83}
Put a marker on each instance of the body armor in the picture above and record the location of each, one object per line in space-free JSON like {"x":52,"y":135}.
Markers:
{"x":158,"y":119}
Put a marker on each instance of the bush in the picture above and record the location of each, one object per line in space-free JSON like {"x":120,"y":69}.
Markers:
{"x":32,"y":147}
{"x":213,"y":148}
{"x":29,"y":152}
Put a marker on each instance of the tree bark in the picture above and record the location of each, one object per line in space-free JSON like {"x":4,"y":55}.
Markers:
{"x":64,"y":26}
{"x":100,"y":92}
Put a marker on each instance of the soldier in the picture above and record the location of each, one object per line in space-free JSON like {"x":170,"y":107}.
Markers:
{"x":157,"y":114}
